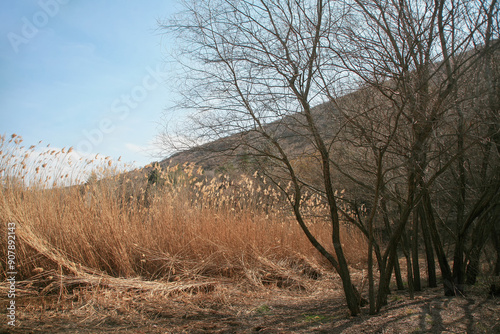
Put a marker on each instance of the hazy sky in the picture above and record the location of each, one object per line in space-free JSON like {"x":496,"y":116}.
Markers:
{"x":88,"y":74}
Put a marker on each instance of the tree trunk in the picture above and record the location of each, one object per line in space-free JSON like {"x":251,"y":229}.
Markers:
{"x":459,"y":265}
{"x":458,"y":257}
{"x":429,"y":253}
{"x":495,"y":236}
{"x":371,"y":289}
{"x":397,"y":273}
{"x":479,"y":237}
{"x":352,"y":298}
{"x":397,"y":267}
{"x":487,"y":215}
{"x":390,"y":256}
{"x":414,"y":251}
{"x":409,"y":267}
{"x":448,"y":284}
{"x":473,"y":266}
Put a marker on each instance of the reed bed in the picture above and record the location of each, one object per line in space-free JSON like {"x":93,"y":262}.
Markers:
{"x":180,"y":225}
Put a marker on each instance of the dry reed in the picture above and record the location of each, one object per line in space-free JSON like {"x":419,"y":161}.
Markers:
{"x":186,"y":226}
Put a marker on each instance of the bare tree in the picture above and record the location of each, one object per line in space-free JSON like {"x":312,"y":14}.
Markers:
{"x":391,"y":76}
{"x":253,"y":69}
{"x":418,"y":55}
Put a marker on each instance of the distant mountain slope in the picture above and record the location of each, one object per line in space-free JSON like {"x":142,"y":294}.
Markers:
{"x":234,"y":151}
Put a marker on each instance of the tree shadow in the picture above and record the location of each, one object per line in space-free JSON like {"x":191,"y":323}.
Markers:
{"x":430,"y":314}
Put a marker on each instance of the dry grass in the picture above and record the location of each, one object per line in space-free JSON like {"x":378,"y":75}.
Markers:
{"x":103,"y":256}
{"x":121,"y":226}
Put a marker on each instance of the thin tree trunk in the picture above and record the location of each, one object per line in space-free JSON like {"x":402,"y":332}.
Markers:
{"x":496,"y":241}
{"x":378,"y":187}
{"x":448,"y":285}
{"x":390,"y":256}
{"x":414,"y":251}
{"x":458,"y":257}
{"x":409,"y":268}
{"x":459,"y":265}
{"x":397,"y":268}
{"x":482,"y":209}
{"x":397,"y":273}
{"x":353,"y":297}
{"x":371,"y":288}
{"x":479,"y":238}
{"x":429,"y":251}
{"x":353,"y":301}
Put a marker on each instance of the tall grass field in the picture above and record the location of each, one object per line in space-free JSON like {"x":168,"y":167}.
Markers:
{"x":80,"y":217}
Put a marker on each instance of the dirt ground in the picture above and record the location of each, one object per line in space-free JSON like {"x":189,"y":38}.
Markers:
{"x":226,"y":307}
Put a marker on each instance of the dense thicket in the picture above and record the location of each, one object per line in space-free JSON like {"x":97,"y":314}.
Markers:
{"x":409,"y":121}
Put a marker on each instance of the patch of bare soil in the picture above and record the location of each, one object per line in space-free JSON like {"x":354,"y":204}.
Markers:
{"x":228,"y":307}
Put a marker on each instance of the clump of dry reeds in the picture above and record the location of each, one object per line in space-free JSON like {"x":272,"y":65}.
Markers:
{"x":121,"y":225}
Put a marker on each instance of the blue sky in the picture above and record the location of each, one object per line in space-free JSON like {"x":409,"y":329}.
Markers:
{"x":88,"y":74}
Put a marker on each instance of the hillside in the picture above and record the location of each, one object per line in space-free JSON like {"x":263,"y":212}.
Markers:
{"x":233,"y":152}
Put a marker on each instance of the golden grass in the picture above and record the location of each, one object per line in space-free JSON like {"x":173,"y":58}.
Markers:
{"x":188,"y":226}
